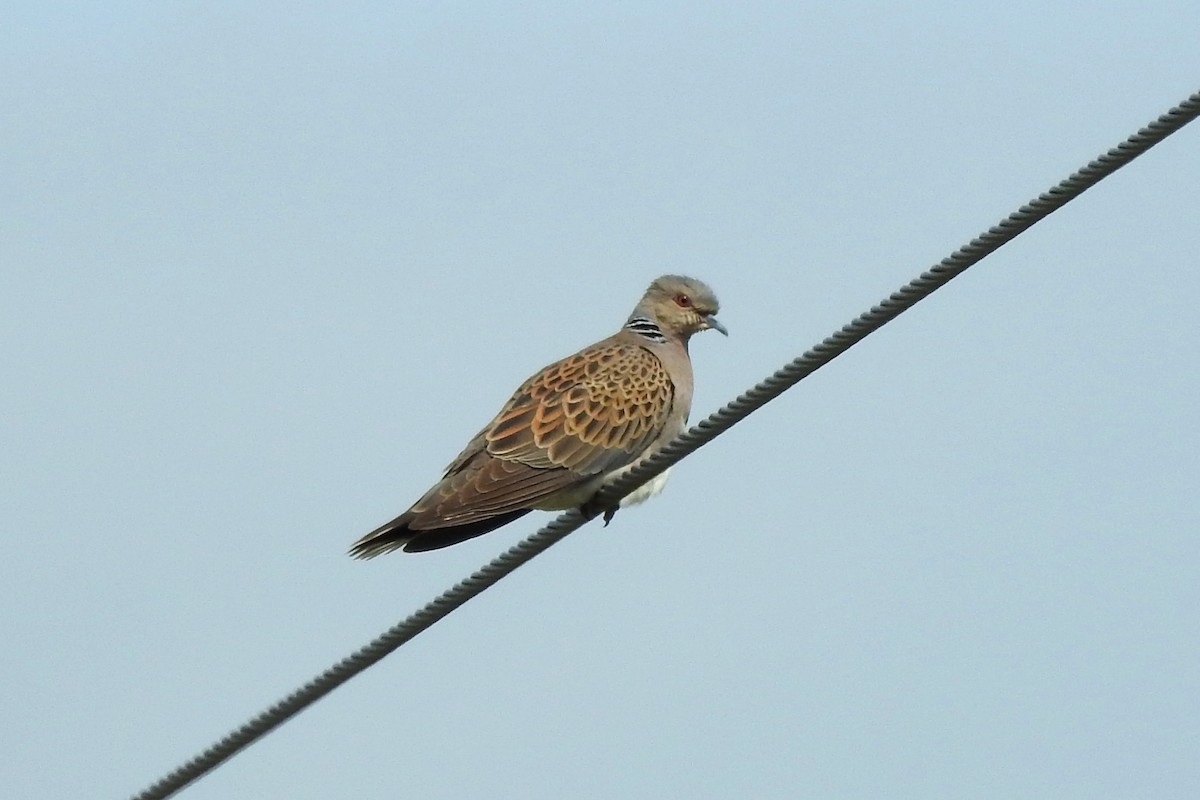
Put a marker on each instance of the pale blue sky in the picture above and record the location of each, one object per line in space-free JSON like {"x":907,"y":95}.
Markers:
{"x":263,"y":272}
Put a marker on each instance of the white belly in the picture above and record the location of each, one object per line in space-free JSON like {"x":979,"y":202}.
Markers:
{"x":646,"y":490}
{"x":573,"y":498}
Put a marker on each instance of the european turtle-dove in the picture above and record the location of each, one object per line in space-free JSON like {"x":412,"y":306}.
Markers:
{"x":570,"y":429}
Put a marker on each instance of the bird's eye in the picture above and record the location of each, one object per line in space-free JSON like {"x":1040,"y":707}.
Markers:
{"x":683,"y":301}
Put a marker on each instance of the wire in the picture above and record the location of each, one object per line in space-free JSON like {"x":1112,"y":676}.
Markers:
{"x":686,"y":443}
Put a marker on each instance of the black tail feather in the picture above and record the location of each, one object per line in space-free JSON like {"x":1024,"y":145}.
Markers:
{"x":398,"y":535}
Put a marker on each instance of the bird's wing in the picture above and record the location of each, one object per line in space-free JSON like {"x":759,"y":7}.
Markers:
{"x":590,"y":413}
{"x":577,"y":419}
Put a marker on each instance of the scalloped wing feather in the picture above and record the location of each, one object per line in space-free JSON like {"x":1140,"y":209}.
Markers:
{"x":569,"y":424}
{"x":550,"y":446}
{"x":590,"y":413}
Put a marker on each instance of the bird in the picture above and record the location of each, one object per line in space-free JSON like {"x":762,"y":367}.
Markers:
{"x":570,"y":429}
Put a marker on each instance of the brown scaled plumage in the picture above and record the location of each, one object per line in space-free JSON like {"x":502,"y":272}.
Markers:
{"x":569,"y":429}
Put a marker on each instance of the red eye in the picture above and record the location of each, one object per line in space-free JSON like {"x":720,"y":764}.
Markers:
{"x":683,"y":301}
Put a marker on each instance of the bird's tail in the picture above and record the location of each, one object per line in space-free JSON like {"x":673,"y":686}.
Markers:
{"x":398,"y":534}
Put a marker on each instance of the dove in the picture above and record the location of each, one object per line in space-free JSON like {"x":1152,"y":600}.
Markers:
{"x":570,"y":429}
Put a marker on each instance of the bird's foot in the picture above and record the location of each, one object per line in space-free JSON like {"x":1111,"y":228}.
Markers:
{"x":592,"y":509}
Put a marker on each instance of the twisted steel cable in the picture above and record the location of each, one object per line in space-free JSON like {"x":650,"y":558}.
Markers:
{"x":686,"y":443}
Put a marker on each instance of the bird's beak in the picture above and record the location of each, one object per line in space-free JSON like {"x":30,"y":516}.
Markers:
{"x":712,"y":322}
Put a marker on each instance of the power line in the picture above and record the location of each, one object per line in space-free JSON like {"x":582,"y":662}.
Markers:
{"x":688,"y":442}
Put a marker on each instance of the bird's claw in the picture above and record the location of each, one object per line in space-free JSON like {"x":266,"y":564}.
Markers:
{"x":591,"y":510}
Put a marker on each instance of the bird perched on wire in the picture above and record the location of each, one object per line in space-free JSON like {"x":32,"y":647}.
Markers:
{"x":570,"y":429}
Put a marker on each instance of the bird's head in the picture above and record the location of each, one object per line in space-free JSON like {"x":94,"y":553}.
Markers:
{"x":681,"y":306}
